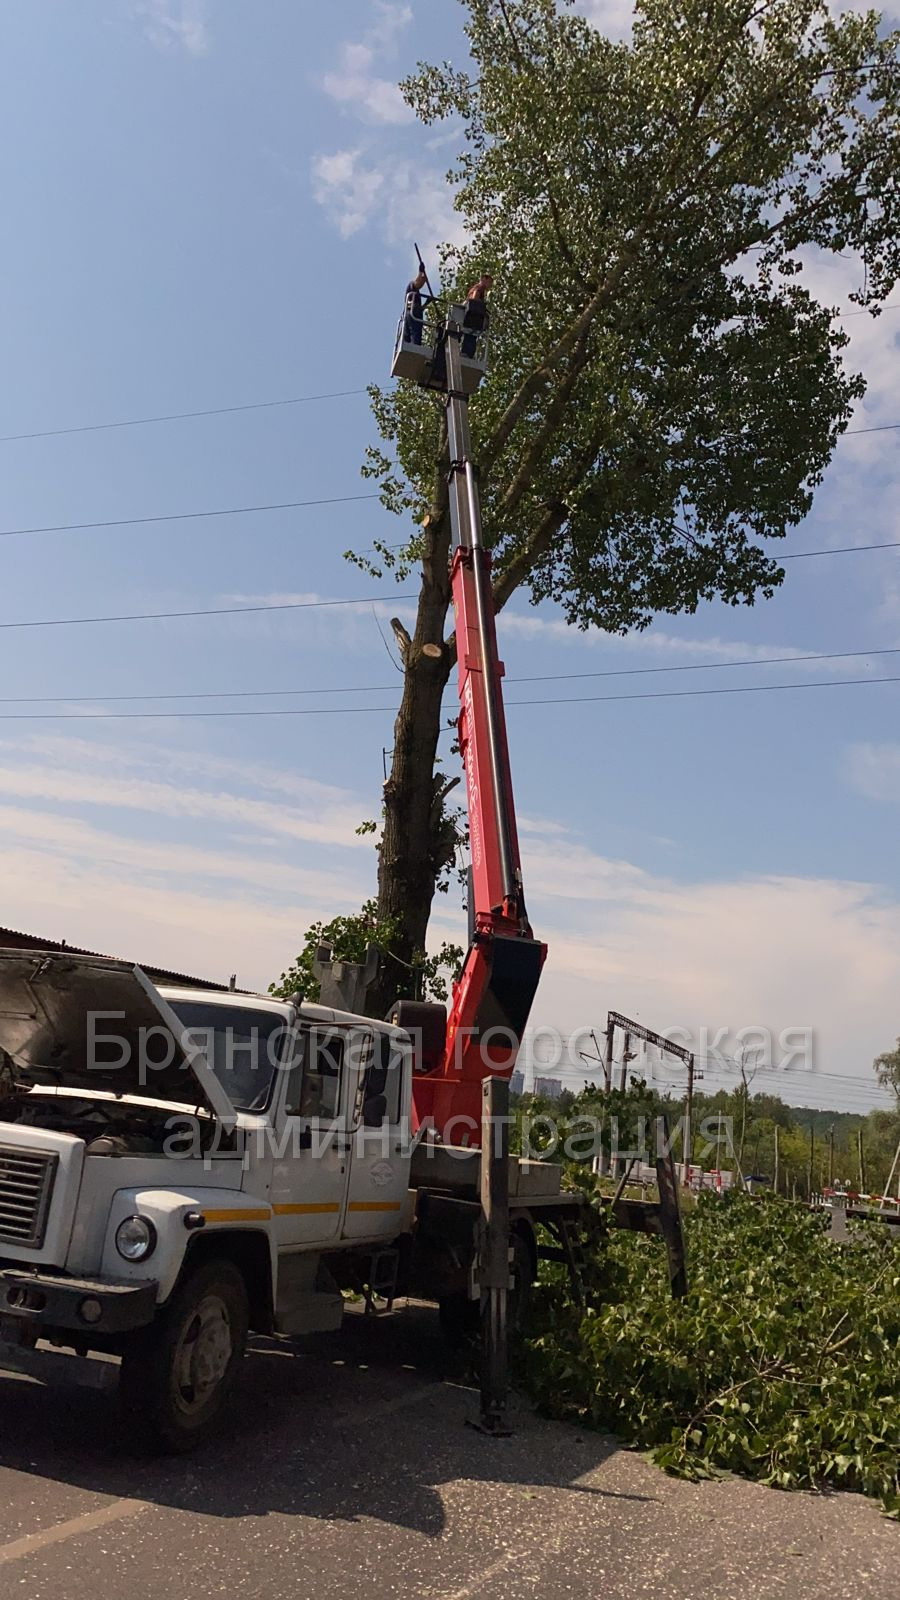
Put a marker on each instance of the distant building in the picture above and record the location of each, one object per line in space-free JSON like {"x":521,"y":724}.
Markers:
{"x":548,"y":1088}
{"x":517,"y":1082}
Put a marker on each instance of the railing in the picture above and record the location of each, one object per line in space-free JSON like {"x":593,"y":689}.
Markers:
{"x":424,"y":332}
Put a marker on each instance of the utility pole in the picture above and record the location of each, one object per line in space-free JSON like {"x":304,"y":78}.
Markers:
{"x":626,"y":1057}
{"x":608,"y":1057}
{"x":887,"y":1188}
{"x":776,"y":1174}
{"x":688,"y":1147}
{"x":812,"y":1148}
{"x":831,"y":1157}
{"x":862,"y":1160}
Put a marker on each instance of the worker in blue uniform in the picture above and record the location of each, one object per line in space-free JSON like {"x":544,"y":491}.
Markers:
{"x":414,"y":320}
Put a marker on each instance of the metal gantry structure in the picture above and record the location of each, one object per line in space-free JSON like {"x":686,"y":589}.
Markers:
{"x":637,"y":1030}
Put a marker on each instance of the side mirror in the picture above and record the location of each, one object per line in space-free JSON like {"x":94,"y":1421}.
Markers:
{"x":375,"y":1111}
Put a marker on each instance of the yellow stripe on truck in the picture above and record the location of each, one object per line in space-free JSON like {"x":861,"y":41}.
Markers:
{"x":238,"y":1216}
{"x":316,"y":1208}
{"x":374,"y":1205}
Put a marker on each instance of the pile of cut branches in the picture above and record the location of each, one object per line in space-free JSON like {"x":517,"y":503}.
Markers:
{"x":783,"y":1362}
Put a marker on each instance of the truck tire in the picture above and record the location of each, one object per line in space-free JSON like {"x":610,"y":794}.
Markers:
{"x":460,"y":1317}
{"x":520,"y":1295}
{"x":178,"y":1375}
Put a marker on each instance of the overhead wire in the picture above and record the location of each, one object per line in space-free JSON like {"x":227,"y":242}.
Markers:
{"x":207,"y":611}
{"x":385,"y":688}
{"x":188,"y":516}
{"x":562,"y":700}
{"x":180,"y":416}
{"x":268,"y":405}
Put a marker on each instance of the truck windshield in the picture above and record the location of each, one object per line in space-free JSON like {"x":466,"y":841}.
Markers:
{"x":244,"y":1047}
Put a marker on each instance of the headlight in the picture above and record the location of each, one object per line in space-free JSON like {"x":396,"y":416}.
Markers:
{"x":135,"y":1238}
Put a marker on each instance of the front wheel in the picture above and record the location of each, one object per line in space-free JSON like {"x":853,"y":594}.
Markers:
{"x":177,"y":1376}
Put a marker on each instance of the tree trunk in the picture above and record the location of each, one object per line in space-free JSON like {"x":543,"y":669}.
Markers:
{"x":416,"y":844}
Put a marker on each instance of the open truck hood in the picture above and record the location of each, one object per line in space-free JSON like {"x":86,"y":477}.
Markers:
{"x":57,"y":1012}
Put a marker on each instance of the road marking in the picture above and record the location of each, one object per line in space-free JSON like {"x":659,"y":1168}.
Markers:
{"x":71,"y":1529}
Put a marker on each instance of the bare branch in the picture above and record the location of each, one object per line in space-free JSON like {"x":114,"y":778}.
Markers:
{"x":404,"y":642}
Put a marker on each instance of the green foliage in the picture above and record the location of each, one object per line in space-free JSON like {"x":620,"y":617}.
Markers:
{"x":350,"y":936}
{"x":664,"y":391}
{"x":783,"y":1362}
{"x":887,"y":1070}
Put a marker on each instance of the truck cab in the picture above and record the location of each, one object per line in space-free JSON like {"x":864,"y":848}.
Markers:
{"x":178,"y":1166}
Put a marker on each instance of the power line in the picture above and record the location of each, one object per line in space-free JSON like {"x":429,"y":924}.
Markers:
{"x":265,"y":405}
{"x":892,"y":305}
{"x":709,"y":666}
{"x":187,"y":516}
{"x":181,"y":416}
{"x":210,"y":611}
{"x":884,"y":427}
{"x":172,"y":716}
{"x":565,"y":700}
{"x":385,"y":688}
{"x":838,"y":550}
{"x":684,"y":694}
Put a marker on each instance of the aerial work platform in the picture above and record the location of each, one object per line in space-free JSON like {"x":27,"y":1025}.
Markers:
{"x":419,"y":353}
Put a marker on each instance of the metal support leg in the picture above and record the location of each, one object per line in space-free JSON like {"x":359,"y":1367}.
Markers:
{"x":493,"y":1266}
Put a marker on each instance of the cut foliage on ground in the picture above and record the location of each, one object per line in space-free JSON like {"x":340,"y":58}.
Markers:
{"x":783,"y":1362}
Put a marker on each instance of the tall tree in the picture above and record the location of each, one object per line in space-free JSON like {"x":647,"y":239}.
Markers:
{"x":665,"y":393}
{"x":887,"y":1070}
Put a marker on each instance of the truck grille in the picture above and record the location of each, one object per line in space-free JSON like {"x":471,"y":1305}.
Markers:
{"x":26,"y":1184}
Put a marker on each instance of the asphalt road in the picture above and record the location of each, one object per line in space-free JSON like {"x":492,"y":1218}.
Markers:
{"x":348,"y":1470}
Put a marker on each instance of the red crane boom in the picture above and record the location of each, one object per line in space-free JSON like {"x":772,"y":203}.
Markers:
{"x":493,"y":995}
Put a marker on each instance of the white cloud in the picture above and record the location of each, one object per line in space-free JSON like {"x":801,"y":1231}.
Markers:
{"x":612,"y":17}
{"x":390,"y":20}
{"x":379,"y":184}
{"x":529,"y":625}
{"x":214,"y":879}
{"x":776,"y":950}
{"x":356,"y":85}
{"x":404,"y":199}
{"x":347,"y":189}
{"x":85,"y":781}
{"x":874,"y":770}
{"x":673,"y":650}
{"x":206,"y":884}
{"x":175,"y":24}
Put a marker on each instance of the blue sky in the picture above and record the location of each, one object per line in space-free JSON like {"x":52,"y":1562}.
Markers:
{"x":210,"y":204}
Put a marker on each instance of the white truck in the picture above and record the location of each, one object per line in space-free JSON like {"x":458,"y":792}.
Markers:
{"x":179,"y":1167}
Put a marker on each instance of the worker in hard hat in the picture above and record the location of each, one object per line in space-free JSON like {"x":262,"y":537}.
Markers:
{"x":476,"y":312}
